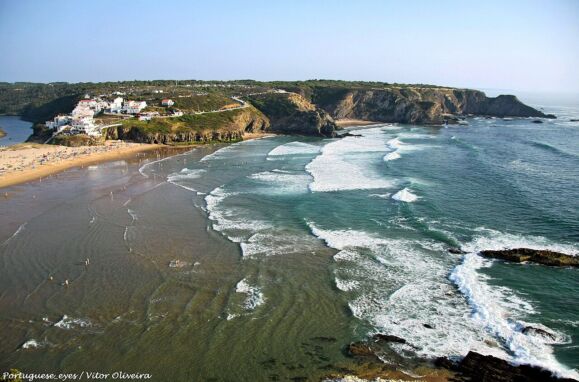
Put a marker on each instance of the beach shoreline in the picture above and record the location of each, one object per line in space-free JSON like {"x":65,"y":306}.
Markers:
{"x":347,"y":122}
{"x":26,"y":162}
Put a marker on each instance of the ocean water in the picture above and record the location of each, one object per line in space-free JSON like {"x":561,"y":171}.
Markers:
{"x":289,"y":248}
{"x":17,"y":130}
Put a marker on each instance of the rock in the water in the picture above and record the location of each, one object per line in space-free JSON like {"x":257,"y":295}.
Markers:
{"x":388,"y":338}
{"x":545,"y":257}
{"x":360,"y":349}
{"x":537,"y":121}
{"x":574,"y":120}
{"x":486,"y":368}
{"x":456,"y":251}
{"x":539,"y":332}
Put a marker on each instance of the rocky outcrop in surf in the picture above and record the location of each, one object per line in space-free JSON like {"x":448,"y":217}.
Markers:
{"x":417,"y":105}
{"x":290,"y":113}
{"x":485,"y":368}
{"x":545,"y":257}
{"x":473,"y":367}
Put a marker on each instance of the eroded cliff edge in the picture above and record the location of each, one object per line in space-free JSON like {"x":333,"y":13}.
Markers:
{"x":417,"y":105}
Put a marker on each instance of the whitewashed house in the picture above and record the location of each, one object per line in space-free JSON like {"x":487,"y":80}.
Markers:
{"x":167,"y":102}
{"x":134,"y":107}
{"x":116,"y":106}
{"x":58,"y":122}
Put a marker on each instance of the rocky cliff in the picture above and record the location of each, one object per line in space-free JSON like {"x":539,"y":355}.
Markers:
{"x":290,"y":113}
{"x":420,"y":105}
{"x":212,"y":127}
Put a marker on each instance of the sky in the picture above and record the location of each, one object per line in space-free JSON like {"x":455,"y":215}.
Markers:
{"x":530,"y":45}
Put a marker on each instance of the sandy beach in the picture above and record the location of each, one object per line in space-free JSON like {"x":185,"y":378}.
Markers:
{"x":346,"y":122}
{"x":29,"y":161}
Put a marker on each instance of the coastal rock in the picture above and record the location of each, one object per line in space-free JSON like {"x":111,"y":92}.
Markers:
{"x":545,"y":257}
{"x":388,"y":338}
{"x":537,"y":121}
{"x":456,"y":251}
{"x":485,"y":368}
{"x":415,"y":104}
{"x":290,"y":113}
{"x":360,"y":349}
{"x":531,"y":330}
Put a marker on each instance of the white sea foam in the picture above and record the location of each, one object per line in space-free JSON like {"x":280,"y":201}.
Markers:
{"x":405,"y":195}
{"x":401,"y":286}
{"x":15,"y":234}
{"x":184,"y":177}
{"x":501,"y":312}
{"x":394,"y":143}
{"x":284,"y":182}
{"x":68,"y":323}
{"x":294,"y":148}
{"x":186,"y":174}
{"x":392,"y":156}
{"x":152,"y":163}
{"x":347,"y":164}
{"x":33,"y":344}
{"x":381,"y":196}
{"x":133,"y":215}
{"x":498,"y":310}
{"x":346,"y":285}
{"x":254,"y":296}
{"x":232,"y":222}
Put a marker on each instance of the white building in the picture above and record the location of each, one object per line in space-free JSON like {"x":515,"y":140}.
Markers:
{"x":134,"y":107}
{"x":167,"y":102}
{"x":58,"y":121}
{"x":116,"y":106}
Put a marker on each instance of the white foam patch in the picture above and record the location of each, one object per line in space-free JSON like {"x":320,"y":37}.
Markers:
{"x":143,"y":169}
{"x":405,"y":195}
{"x":254,"y":295}
{"x":295,"y":148}
{"x":186,"y":174}
{"x":68,"y":323}
{"x":33,"y":344}
{"x":282,"y":182}
{"x":381,"y":196}
{"x":346,"y":285}
{"x":348,"y":164}
{"x":392,"y":156}
{"x":185,"y":177}
{"x":394,"y":143}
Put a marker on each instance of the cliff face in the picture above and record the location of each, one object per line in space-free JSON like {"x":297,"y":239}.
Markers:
{"x":417,"y":105}
{"x":290,"y":113}
{"x":225,"y":127}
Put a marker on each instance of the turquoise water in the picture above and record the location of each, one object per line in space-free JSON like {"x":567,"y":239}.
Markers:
{"x":261,"y":260}
{"x":391,"y":202}
{"x":17,"y":130}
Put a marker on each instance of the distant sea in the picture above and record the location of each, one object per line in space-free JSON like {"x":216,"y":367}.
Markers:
{"x":263,"y":259}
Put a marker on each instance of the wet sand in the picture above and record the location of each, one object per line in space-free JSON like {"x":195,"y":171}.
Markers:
{"x":346,"y":122}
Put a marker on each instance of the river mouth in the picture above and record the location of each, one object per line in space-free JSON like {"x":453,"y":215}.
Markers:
{"x":273,"y":255}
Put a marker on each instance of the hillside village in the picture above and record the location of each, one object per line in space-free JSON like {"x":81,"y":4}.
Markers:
{"x":93,"y":115}
{"x":82,"y":118}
